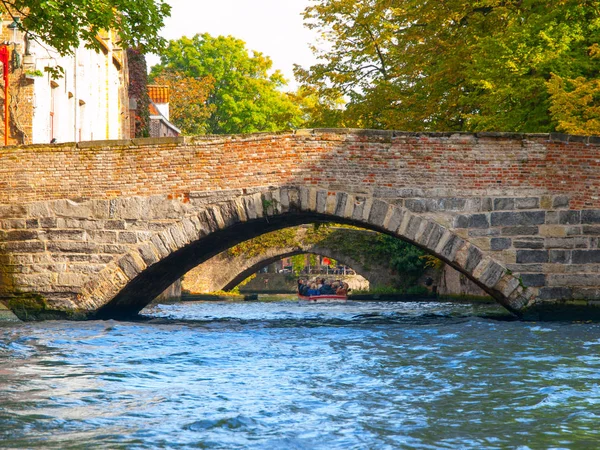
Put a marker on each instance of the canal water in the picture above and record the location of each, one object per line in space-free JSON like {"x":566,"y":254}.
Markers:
{"x":283,"y":375}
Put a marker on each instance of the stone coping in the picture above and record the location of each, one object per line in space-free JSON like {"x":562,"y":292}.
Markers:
{"x":367,"y":133}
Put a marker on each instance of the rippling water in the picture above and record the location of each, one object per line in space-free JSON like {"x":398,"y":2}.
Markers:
{"x":272,"y":375}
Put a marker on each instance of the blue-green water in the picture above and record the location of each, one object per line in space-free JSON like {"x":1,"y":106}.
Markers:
{"x":283,"y":375}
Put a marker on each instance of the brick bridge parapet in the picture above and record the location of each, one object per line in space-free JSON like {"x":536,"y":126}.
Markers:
{"x":101,"y":227}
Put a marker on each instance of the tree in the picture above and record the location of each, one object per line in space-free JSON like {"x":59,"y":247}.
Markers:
{"x":188,"y":108}
{"x":455,"y":65}
{"x":64,"y":24}
{"x":245,"y":97}
{"x":575,"y":105}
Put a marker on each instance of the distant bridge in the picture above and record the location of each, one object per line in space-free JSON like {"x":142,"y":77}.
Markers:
{"x":99,"y":229}
{"x":225,"y":271}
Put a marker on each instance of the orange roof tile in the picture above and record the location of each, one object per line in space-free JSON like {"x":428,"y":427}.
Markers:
{"x":158,"y":93}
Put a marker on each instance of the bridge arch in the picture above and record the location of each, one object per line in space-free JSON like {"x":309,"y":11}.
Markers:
{"x":129,"y":283}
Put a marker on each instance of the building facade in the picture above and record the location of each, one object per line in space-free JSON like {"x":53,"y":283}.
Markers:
{"x":88,"y":101}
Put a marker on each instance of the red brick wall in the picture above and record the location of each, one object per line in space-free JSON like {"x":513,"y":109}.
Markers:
{"x":436,"y":164}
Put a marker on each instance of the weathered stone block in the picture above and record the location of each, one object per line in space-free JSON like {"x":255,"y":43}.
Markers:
{"x":449,"y":247}
{"x":416,"y":205}
{"x":48,"y":222}
{"x":522,"y":218}
{"x":148,"y":253}
{"x":359,"y":206}
{"x":484,"y":232}
{"x":586,"y":256}
{"x":72,"y":247}
{"x":591,"y":216}
{"x":113,"y":249}
{"x":115,"y":224}
{"x":13,"y":224}
{"x":461,"y":221}
{"x":321,"y":201}
{"x":395,"y":219}
{"x":106,"y":237}
{"x":492,"y":274}
{"x":567,"y":242}
{"x":413,"y":227}
{"x":553,"y":230}
{"x":527,"y":203}
{"x":130,"y":265}
{"x":65,"y":235}
{"x":530,"y":243}
{"x":546,"y":202}
{"x":533,"y":279}
{"x":532,"y":256}
{"x":570,"y":217}
{"x":474,"y":257}
{"x":71,"y":279}
{"x":435,"y":235}
{"x":378,"y":212}
{"x":591,"y":230}
{"x":553,"y":217}
{"x":12,"y":211}
{"x":500,"y":243}
{"x":504,"y":204}
{"x":340,"y":207}
{"x":32,"y":223}
{"x":555,"y":293}
{"x":21,"y":235}
{"x":178,"y":237}
{"x":479,"y":221}
{"x":570,"y":280}
{"x":560,"y":256}
{"x":487,"y":204}
{"x":249,"y":207}
{"x":161,"y":248}
{"x":127,"y":237}
{"x":519,"y":231}
{"x":560,"y":201}
{"x":586,"y":293}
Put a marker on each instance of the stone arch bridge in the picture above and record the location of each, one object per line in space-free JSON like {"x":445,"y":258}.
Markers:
{"x":99,"y":229}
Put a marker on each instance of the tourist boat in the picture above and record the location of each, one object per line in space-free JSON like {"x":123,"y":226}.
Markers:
{"x":326,"y":298}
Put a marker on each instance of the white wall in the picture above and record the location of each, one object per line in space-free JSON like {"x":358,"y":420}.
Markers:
{"x":87,"y":99}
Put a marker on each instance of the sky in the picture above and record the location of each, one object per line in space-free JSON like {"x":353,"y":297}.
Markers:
{"x":272,"y":27}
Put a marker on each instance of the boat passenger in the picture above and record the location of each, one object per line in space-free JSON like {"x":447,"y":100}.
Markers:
{"x":326,"y":289}
{"x":313,"y":290}
{"x":341,"y":290}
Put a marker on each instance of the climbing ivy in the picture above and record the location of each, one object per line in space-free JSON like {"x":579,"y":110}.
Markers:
{"x":138,"y":91}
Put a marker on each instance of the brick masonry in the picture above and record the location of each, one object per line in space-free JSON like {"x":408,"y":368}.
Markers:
{"x":99,"y":227}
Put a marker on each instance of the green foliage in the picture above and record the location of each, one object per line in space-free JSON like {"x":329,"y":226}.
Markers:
{"x":576,"y":105}
{"x":367,"y":248}
{"x":405,"y":258}
{"x":256,"y":246}
{"x":458,"y":65}
{"x":298,"y":262}
{"x":64,"y":24}
{"x":245,"y":97}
